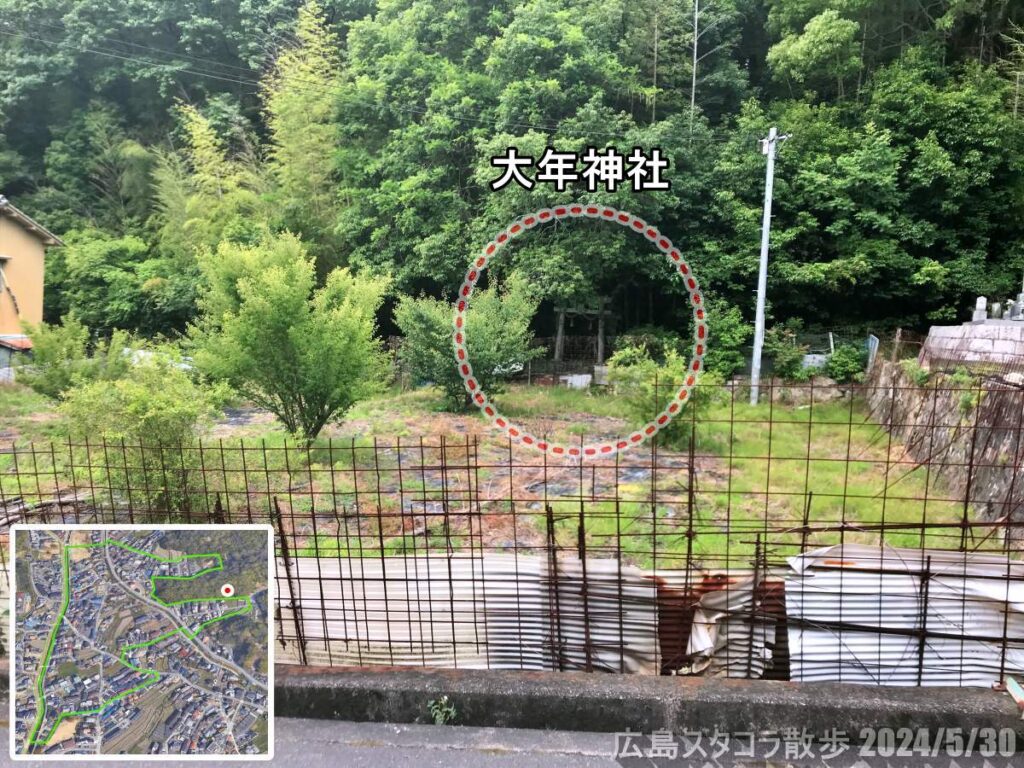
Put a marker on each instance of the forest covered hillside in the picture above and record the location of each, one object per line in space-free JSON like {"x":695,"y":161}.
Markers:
{"x":154,"y":134}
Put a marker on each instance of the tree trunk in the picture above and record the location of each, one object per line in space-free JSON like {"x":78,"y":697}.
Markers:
{"x":559,"y":335}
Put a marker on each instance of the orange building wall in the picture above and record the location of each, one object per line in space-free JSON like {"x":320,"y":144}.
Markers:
{"x":23,"y":274}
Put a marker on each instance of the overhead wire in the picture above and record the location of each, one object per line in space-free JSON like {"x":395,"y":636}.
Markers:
{"x":304,"y":84}
{"x":160,"y":51}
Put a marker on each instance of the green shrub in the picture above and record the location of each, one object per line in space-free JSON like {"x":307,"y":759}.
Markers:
{"x":157,"y":410}
{"x":781,"y":346}
{"x":645,"y":387}
{"x":304,"y":353}
{"x":962,"y":378}
{"x":728,"y":335}
{"x":498,"y":338}
{"x":808,"y":372}
{"x":60,"y":357}
{"x":634,"y":375}
{"x":969,"y":392}
{"x":918,"y":375}
{"x":112,"y":281}
{"x":631,"y":355}
{"x":656,"y":341}
{"x":846,"y":363}
{"x":442,"y":710}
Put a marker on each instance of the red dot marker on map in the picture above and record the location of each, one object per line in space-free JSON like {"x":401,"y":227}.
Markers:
{"x":228,"y":590}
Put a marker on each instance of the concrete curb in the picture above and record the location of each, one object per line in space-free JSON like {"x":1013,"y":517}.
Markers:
{"x":576,"y":701}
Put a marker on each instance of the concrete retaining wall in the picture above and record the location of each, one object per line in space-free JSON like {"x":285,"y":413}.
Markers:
{"x":616,"y":703}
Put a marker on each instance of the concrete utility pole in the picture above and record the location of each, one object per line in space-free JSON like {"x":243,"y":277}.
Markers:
{"x":768,"y":147}
{"x":693,"y":74}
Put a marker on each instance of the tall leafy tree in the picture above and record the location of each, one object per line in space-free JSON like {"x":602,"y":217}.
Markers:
{"x":823,"y":56}
{"x":367,"y":128}
{"x":222,"y":192}
{"x":300,"y":98}
{"x":304,"y":353}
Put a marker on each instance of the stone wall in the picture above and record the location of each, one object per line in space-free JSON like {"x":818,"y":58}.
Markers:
{"x":971,"y":435}
{"x":998,"y":343}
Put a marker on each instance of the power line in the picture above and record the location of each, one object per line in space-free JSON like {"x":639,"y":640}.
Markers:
{"x":132,"y":59}
{"x":161,"y":51}
{"x":311,"y":86}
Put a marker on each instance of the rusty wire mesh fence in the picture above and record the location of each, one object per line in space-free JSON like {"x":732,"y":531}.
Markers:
{"x":864,"y":533}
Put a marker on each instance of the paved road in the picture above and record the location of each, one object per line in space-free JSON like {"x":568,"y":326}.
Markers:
{"x":326,"y":744}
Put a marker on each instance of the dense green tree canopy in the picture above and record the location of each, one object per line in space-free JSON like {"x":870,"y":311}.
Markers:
{"x":154,"y":134}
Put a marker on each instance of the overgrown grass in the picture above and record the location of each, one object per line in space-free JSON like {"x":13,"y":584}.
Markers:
{"x":368,"y":545}
{"x":522,"y":401}
{"x":26,"y":415}
{"x":17,"y":401}
{"x":763,"y":472}
{"x":760,"y":470}
{"x":828,"y":464}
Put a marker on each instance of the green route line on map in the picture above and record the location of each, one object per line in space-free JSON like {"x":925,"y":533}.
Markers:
{"x":152,"y":676}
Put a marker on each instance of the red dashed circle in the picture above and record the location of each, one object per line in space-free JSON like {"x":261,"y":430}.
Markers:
{"x":460,"y":336}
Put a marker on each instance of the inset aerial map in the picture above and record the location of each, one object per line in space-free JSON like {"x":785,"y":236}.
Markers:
{"x":141,"y":641}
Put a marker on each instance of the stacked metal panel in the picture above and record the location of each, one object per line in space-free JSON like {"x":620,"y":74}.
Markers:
{"x":490,"y":612}
{"x":885,"y":616}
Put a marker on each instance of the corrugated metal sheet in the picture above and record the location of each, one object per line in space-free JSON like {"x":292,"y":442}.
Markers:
{"x":491,"y":612}
{"x":509,"y":612}
{"x":724,"y":599}
{"x":731,"y":636}
{"x":854,"y":614}
{"x":886,"y":616}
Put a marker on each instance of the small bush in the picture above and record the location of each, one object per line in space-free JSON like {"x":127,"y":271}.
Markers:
{"x":646,"y":387}
{"x":781,"y":346}
{"x":808,"y":372}
{"x":155,"y":406}
{"x":969,"y":392}
{"x":962,"y":378}
{"x":918,"y":375}
{"x":442,"y":710}
{"x":846,"y":363}
{"x":498,"y":339}
{"x":60,"y":357}
{"x":657,"y":342}
{"x":728,"y":337}
{"x":630,"y":356}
